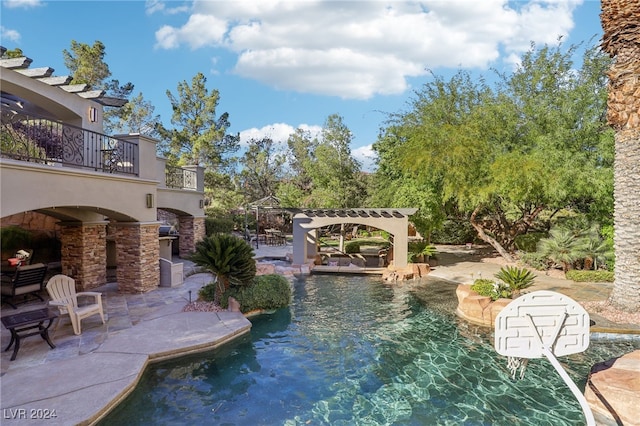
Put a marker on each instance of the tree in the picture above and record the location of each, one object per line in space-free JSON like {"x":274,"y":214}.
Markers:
{"x":621,"y":40}
{"x":504,"y":156}
{"x":335,"y":174}
{"x":562,"y":246}
{"x":228,"y":257}
{"x":262,"y":169}
{"x":136,"y":116}
{"x":394,"y":185}
{"x":86,"y":64}
{"x":199,"y":136}
{"x":295,"y":188}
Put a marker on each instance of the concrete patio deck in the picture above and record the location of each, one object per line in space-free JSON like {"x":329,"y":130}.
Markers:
{"x":86,"y":375}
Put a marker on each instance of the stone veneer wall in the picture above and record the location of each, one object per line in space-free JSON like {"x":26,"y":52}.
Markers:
{"x":138,"y":257}
{"x":84,"y":254}
{"x":191,"y":230}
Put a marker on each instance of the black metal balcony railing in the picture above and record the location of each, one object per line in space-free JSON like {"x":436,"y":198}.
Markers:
{"x":177,"y":177}
{"x":41,"y":140}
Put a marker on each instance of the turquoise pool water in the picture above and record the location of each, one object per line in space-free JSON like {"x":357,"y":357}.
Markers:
{"x":356,"y":351}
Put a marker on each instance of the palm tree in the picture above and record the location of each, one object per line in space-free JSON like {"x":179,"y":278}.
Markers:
{"x":593,"y":249}
{"x":621,"y":40}
{"x":228,"y":257}
{"x":561,"y":247}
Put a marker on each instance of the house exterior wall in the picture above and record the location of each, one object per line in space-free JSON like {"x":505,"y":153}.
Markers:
{"x":83,"y":199}
{"x":64,"y":106}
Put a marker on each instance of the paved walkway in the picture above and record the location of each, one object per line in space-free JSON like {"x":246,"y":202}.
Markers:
{"x":85,"y":375}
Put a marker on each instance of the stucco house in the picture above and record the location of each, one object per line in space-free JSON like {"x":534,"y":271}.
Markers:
{"x":102,"y":192}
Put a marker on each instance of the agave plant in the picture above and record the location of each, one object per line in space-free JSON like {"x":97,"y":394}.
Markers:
{"x":228,"y":257}
{"x":516,"y":278}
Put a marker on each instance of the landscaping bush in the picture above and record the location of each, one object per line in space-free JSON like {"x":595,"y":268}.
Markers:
{"x":516,"y":278}
{"x":229,"y":258}
{"x":352,"y":247}
{"x":266,"y":292}
{"x":208,"y":292}
{"x":215,"y":225}
{"x":489,"y":288}
{"x":482,"y":286}
{"x":536,"y":260}
{"x":590,"y":276}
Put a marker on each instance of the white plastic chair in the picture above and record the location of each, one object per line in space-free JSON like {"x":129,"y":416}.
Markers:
{"x":62,"y":290}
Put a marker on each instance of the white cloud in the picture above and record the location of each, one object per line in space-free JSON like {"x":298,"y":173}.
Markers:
{"x":278,"y":132}
{"x":27,"y":4}
{"x":158,"y":6}
{"x":359,"y":49}
{"x":366,"y":156}
{"x":9,"y":34}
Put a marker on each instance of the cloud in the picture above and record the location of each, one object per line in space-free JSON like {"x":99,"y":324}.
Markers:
{"x":27,"y":4}
{"x":366,"y":157}
{"x":278,"y":132}
{"x":8,"y":34}
{"x":157,"y":6}
{"x":360,"y":49}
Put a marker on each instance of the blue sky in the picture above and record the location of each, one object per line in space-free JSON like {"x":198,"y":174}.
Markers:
{"x":280,"y":65}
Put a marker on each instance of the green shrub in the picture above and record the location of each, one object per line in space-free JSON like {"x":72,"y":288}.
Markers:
{"x":215,"y":225}
{"x":208,"y":292}
{"x":352,"y":247}
{"x":266,"y":292}
{"x":590,"y":276}
{"x":536,"y":260}
{"x":482,"y":286}
{"x":494,"y":290}
{"x":516,"y":278}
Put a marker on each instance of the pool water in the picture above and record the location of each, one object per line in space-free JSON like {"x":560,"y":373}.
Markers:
{"x":352,"y":350}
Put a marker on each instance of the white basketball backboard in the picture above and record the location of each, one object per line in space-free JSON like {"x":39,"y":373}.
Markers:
{"x":542,"y":319}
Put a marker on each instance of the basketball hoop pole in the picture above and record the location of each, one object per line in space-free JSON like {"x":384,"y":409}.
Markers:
{"x":556,"y":364}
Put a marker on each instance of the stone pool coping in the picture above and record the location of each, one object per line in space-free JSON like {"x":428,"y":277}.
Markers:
{"x":82,"y":390}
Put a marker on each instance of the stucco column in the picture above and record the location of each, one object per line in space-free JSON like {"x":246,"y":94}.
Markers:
{"x":138,"y":257}
{"x":191,"y":231}
{"x":84,"y":253}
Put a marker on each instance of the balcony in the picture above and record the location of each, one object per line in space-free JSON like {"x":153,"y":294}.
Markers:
{"x":45,"y":141}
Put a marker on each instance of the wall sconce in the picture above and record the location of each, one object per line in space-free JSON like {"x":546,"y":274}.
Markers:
{"x":202,"y":204}
{"x":149,"y":201}
{"x":93,"y":114}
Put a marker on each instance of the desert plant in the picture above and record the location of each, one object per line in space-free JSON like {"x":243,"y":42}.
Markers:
{"x":561,"y":247}
{"x":228,"y":257}
{"x":594,"y":249}
{"x":516,"y":278}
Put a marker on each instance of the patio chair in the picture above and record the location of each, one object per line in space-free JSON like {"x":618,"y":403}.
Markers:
{"x":26,"y":280}
{"x":62,"y":290}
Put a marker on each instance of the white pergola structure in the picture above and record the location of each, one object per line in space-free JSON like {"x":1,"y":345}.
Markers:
{"x":307,"y":221}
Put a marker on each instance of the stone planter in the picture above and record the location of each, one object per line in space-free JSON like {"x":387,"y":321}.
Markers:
{"x":478,"y":309}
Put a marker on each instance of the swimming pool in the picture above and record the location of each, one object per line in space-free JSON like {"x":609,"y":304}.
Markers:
{"x":352,"y":350}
